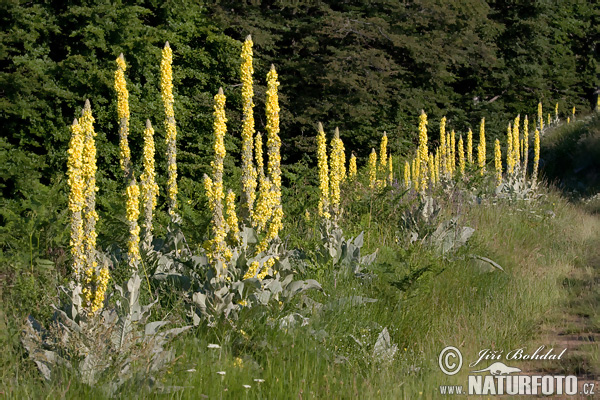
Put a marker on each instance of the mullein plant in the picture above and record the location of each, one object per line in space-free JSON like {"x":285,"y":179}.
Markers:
{"x":390,"y":171}
{"x":249,"y":173}
{"x":470,"y":147}
{"x":422,"y":152}
{"x":372,"y":169}
{"x":149,"y":189}
{"x":509,"y":151}
{"x":166,"y":86}
{"x":536,"y":154}
{"x":95,"y":278}
{"x":216,"y":249}
{"x":452,"y":152}
{"x":498,"y":162}
{"x":133,"y":190}
{"x":76,"y":199}
{"x":274,"y":165}
{"x":335,"y":173}
{"x":383,"y":152}
{"x":352,"y":167}
{"x":540,"y":117}
{"x":556,"y":113}
{"x":323,"y":209}
{"x":573,"y":112}
{"x":481,"y":148}
{"x":526,"y":145}
{"x":431,"y":171}
{"x":516,"y":142}
{"x":443,"y":144}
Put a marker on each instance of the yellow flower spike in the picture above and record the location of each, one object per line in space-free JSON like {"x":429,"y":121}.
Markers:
{"x":133,"y":213}
{"x":568,"y":120}
{"x":232,"y":219}
{"x":423,"y":151}
{"x":407,"y":181}
{"x":556,"y":112}
{"x":372,"y":168}
{"x":249,"y":173}
{"x":342,"y":159}
{"x":148,"y":179}
{"x":573,"y":112}
{"x":258,"y":155}
{"x":383,"y":152}
{"x":498,"y":162}
{"x":443,"y":146}
{"x":90,"y":216}
{"x":461,"y":157}
{"x":536,"y":154}
{"x":335,"y":177}
{"x":470,"y":147}
{"x":526,"y":145}
{"x":323,"y":173}
{"x":123,"y":113}
{"x":76,"y":198}
{"x":252,"y":270}
{"x":516,"y":141}
{"x":452,"y":152}
{"x":481,"y":147}
{"x":540,"y":117}
{"x":352,"y":167}
{"x":437,"y":165}
{"x":548,"y":119}
{"x":214,"y":187}
{"x":390,"y":171}
{"x":509,"y":150}
{"x":166,"y":86}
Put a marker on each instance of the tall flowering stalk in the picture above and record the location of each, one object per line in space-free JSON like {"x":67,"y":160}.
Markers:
{"x":549,"y":119}
{"x":335,"y":174}
{"x":352,"y":167}
{"x":406,"y":174}
{"x":76,"y":199}
{"x":498,"y":162}
{"x":217,"y":248}
{"x":390,"y":171}
{"x":452,"y":152}
{"x":431,"y":170}
{"x":443,"y":144}
{"x":516,"y":142}
{"x":556,"y":113}
{"x":248,"y":171}
{"x":232,"y":220}
{"x":415,"y":173}
{"x":133,"y":213}
{"x":536,"y":154}
{"x":423,"y":151}
{"x":263,"y":209}
{"x":323,"y":173}
{"x":274,"y":165}
{"x":481,"y":147}
{"x":461,"y":157}
{"x":509,"y":150}
{"x":166,"y":85}
{"x":540,"y":117}
{"x":372,"y":168}
{"x":573,"y":112}
{"x":123,"y":114}
{"x":437,"y":165}
{"x":383,"y":152}
{"x":526,"y":145}
{"x":95,"y":279}
{"x":149,"y":188}
{"x":470,"y":147}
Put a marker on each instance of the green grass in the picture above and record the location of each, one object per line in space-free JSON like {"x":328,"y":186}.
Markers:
{"x":425,"y":301}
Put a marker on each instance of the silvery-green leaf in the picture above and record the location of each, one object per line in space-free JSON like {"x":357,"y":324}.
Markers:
{"x":369,"y":259}
{"x":384,"y":350}
{"x":358,"y":241}
{"x":485,"y":264}
{"x":153,"y":327}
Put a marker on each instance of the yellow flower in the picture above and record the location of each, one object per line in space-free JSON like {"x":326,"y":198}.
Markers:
{"x":123,"y":113}
{"x":422,"y":153}
{"x":481,"y":147}
{"x":166,"y":84}
{"x":323,"y":173}
{"x":383,"y":152}
{"x":335,"y":173}
{"x":536,"y":153}
{"x":148,"y":179}
{"x":443,"y":146}
{"x":452,"y":153}
{"x":76,"y":198}
{"x":498,"y":162}
{"x":390,"y":171}
{"x":540,"y":117}
{"x":573,"y":112}
{"x":509,"y":151}
{"x":437,"y":165}
{"x":415,"y":174}
{"x":470,"y":147}
{"x":133,"y":213}
{"x":556,"y":112}
{"x":232,"y":219}
{"x":461,"y":157}
{"x":526,"y":145}
{"x":516,"y":142}
{"x":252,"y":270}
{"x":352,"y":166}
{"x":248,"y":171}
{"x":372,"y":168}
{"x":431,"y":170}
